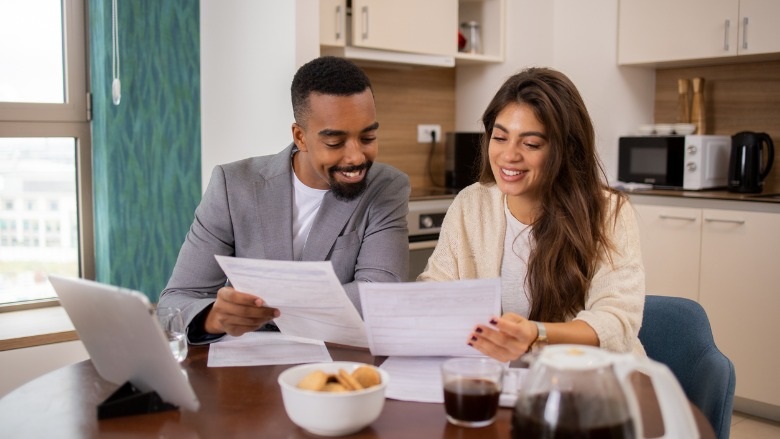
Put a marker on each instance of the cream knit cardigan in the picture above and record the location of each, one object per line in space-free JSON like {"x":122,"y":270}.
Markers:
{"x":471,"y":246}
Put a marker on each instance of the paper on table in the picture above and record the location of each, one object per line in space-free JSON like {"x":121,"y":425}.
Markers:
{"x":419,"y":379}
{"x":427,"y":318}
{"x":414,"y":378}
{"x":266,"y":348}
{"x":312,"y":302}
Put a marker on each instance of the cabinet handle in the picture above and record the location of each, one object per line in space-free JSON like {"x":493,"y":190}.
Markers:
{"x":719,"y":220}
{"x":726,"y":36}
{"x":339,"y":23}
{"x":677,"y":217}
{"x":364,"y":14}
{"x":744,"y":32}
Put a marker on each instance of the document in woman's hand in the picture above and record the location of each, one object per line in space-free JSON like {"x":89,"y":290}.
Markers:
{"x":427,"y":318}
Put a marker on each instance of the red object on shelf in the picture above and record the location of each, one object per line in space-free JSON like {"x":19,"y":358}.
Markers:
{"x":461,"y":41}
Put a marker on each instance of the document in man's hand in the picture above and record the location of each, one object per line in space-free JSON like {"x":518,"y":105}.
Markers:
{"x":312,"y":302}
{"x":427,"y":318}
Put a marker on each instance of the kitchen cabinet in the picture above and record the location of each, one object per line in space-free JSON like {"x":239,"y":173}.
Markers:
{"x":759,"y":32}
{"x":671,"y":241}
{"x":397,"y":30}
{"x":726,"y":257}
{"x":738,"y":287}
{"x":658,"y":31}
{"x":333,"y":22}
{"x":398,"y":25}
{"x":489,"y":14}
{"x":405,"y":25}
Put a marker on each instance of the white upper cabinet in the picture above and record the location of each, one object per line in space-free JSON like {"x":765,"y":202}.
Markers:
{"x":405,"y":25}
{"x":410,"y":31}
{"x":759,"y":27}
{"x":399,"y":25}
{"x":658,"y":31}
{"x":333,"y":22}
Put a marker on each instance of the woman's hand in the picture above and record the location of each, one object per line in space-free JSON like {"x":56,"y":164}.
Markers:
{"x":506,"y":338}
{"x":237,"y":313}
{"x":511,"y":335}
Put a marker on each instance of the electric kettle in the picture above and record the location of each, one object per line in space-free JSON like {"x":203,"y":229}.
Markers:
{"x":747,"y":150}
{"x":585,"y":392}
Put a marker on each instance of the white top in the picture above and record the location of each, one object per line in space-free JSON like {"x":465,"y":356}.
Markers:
{"x":514,"y":266}
{"x":306,"y":204}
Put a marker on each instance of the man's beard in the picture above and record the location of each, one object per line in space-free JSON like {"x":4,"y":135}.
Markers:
{"x":348,"y":191}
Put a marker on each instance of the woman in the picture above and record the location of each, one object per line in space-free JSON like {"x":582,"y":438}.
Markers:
{"x":542,"y":218}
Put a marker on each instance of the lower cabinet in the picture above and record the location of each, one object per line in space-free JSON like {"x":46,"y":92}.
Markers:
{"x":671,"y":242}
{"x":739,"y":288}
{"x":729,"y":261}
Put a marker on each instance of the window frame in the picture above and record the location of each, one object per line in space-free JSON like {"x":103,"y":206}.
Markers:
{"x":69,"y":119}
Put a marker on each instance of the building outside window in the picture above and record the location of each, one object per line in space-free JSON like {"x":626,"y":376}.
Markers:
{"x":45,"y":169}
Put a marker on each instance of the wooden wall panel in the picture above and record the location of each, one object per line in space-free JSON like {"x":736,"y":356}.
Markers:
{"x":404,"y":99}
{"x":738,"y":97}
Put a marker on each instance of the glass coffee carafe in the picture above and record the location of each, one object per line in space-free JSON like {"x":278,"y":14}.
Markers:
{"x":584,"y":392}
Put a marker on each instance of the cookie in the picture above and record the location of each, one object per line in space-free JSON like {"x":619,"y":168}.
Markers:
{"x":334,"y":387}
{"x":314,"y":381}
{"x":346,"y":380}
{"x":367,"y":376}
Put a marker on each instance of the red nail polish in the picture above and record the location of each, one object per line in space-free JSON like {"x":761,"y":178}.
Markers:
{"x":473,"y":338}
{"x":471,"y":345}
{"x":478,"y":330}
{"x":493,"y":321}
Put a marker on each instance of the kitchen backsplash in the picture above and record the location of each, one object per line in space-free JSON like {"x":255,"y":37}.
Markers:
{"x":738,"y":97}
{"x":404,"y":99}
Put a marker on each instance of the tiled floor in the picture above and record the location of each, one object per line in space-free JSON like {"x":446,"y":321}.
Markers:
{"x":749,"y":427}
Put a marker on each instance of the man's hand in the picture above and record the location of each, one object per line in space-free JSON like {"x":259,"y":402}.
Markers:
{"x":237,"y":313}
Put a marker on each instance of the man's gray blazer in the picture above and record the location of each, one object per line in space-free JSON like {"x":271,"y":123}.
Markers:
{"x":246,"y":211}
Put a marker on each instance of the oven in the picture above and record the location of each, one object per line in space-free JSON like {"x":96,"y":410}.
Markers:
{"x":427,"y":208}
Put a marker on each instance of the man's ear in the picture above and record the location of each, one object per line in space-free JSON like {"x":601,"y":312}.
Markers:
{"x":299,"y":137}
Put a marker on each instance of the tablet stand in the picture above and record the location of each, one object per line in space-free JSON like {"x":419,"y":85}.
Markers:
{"x":128,"y":400}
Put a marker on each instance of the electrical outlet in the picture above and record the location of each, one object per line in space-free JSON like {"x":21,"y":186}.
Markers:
{"x":424,"y":133}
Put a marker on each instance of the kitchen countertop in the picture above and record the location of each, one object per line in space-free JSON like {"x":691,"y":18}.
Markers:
{"x":707,"y":199}
{"x":766,"y":197}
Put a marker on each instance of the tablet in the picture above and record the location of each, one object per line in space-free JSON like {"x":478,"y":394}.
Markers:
{"x":123,"y":338}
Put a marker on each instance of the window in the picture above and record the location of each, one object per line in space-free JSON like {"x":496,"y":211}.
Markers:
{"x":45,"y":172}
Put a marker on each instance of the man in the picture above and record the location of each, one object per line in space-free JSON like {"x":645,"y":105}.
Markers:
{"x":321,"y":198}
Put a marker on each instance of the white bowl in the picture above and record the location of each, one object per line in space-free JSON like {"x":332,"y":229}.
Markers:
{"x":646,"y":130}
{"x":684,"y":129}
{"x":326,"y":413}
{"x":663,"y":129}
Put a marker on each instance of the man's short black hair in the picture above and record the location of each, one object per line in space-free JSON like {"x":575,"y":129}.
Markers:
{"x":328,"y":75}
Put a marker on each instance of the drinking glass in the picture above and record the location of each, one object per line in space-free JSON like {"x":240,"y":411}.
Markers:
{"x":472,"y":387}
{"x":172,"y":323}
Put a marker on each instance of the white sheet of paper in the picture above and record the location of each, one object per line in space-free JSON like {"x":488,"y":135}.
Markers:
{"x":427,"y":318}
{"x":419,"y":379}
{"x":312,"y":302}
{"x":266,"y":348}
{"x":414,"y":378}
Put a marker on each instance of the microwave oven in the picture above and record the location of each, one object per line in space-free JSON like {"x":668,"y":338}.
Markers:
{"x":692,"y":162}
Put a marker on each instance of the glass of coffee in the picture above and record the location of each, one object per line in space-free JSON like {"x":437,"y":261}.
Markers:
{"x":472,"y":387}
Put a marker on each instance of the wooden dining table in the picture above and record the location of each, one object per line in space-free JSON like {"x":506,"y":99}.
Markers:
{"x":236,"y":402}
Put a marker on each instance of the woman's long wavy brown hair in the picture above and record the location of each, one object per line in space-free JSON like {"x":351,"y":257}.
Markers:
{"x":570,"y":232}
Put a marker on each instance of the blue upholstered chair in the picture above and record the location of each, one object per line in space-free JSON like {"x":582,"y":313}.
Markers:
{"x":676,"y":332}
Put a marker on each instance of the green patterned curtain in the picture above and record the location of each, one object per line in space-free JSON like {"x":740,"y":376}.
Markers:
{"x":146,"y":151}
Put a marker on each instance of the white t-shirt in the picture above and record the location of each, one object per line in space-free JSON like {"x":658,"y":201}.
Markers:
{"x":514,"y":266}
{"x":306,"y":204}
